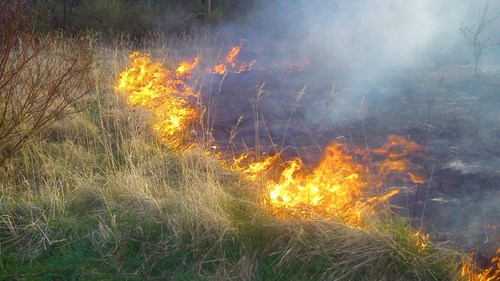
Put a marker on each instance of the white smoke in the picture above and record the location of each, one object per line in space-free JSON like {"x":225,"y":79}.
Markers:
{"x":372,"y":37}
{"x":367,"y":44}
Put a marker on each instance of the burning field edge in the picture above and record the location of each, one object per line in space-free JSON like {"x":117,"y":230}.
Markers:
{"x":135,"y":186}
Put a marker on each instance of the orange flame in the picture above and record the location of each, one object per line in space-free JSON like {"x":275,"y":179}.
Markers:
{"x":231,"y":56}
{"x":184,"y":69}
{"x":339,"y":186}
{"x":250,"y":168}
{"x":232,"y":63}
{"x":220,"y":69}
{"x":149,"y":85}
{"x":492,"y":273}
{"x":421,"y":241}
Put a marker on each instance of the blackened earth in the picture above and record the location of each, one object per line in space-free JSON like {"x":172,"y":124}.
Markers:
{"x":453,"y":114}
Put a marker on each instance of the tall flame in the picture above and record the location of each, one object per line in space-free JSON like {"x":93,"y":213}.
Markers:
{"x":149,"y":85}
{"x":339,"y":186}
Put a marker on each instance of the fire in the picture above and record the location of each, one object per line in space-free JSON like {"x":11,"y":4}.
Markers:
{"x":250,"y":168}
{"x":492,"y":273}
{"x":339,"y":186}
{"x":149,"y":85}
{"x":346,"y":184}
{"x":184,"y":69}
{"x":220,"y":69}
{"x":231,"y":56}
{"x":232,"y":63}
{"x":421,"y":240}
{"x":330,"y":190}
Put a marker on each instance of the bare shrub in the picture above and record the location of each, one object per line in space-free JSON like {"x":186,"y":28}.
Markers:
{"x":40,"y":77}
{"x":473,"y":35}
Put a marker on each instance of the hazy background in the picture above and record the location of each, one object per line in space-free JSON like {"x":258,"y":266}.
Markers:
{"x":368,"y":48}
{"x":372,"y":36}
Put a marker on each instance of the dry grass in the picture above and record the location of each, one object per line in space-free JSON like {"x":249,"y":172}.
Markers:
{"x":99,"y":197}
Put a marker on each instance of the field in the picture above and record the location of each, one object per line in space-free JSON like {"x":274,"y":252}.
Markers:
{"x":100,"y":195}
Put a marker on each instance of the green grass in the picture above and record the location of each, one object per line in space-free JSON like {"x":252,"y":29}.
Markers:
{"x":100,"y":198}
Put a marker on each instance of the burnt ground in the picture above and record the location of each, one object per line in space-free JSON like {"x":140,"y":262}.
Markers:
{"x":450,"y":112}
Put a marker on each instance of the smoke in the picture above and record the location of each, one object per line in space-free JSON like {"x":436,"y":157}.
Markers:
{"x":364,"y":46}
{"x":370,"y":37}
{"x":364,"y":39}
{"x":366,"y":53}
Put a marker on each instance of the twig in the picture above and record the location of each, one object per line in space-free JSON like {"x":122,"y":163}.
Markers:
{"x":431,"y":102}
{"x":426,"y":198}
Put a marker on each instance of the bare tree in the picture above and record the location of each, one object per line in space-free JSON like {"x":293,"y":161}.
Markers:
{"x":472,"y":34}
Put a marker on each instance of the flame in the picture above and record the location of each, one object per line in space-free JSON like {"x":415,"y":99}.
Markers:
{"x":421,"y":240}
{"x":231,"y":56}
{"x":184,"y":69}
{"x":339,"y":186}
{"x":330,"y":190}
{"x":231,"y":63}
{"x":220,"y":69}
{"x":149,"y":85}
{"x":491,"y":273}
{"x":251,"y":168}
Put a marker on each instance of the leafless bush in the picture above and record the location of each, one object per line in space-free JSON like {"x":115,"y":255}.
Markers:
{"x":40,"y":77}
{"x":473,"y":35}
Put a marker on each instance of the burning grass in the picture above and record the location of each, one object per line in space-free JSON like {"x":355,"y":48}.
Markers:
{"x":492,"y":273}
{"x":149,"y":85}
{"x":103,"y":198}
{"x":231,"y":63}
{"x":339,"y":186}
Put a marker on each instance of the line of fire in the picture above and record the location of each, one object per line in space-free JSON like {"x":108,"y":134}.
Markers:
{"x":345,"y":182}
